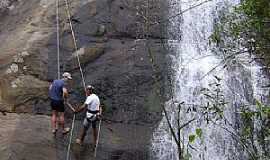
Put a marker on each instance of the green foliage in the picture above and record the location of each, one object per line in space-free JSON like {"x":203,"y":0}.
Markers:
{"x":210,"y":110}
{"x":215,"y":101}
{"x":199,"y":132}
{"x":246,"y":29}
{"x":216,"y":37}
{"x":263,"y":111}
{"x":191,"y":138}
{"x":187,"y":156}
{"x":259,"y":9}
{"x":257,"y":13}
{"x":247,"y":26}
{"x":256,"y":121}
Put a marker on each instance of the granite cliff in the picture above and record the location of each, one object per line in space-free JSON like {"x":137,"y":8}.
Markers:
{"x":114,"y":57}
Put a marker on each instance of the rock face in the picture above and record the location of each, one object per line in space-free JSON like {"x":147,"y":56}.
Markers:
{"x":29,"y":137}
{"x":23,"y":135}
{"x":23,"y":91}
{"x":113,"y":58}
{"x":112,"y":51}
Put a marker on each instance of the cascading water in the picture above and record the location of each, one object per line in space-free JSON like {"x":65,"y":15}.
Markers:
{"x":196,"y":66}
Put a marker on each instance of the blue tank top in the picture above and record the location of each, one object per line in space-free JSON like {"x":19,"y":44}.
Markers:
{"x":56,"y":91}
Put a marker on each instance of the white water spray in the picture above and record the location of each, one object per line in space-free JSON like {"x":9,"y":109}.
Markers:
{"x":193,"y":64}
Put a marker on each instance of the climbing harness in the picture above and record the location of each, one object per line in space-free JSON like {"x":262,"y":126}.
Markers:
{"x":91,"y":116}
{"x":79,"y":64}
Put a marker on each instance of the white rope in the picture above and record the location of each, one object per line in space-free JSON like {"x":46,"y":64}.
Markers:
{"x":81,"y":71}
{"x":99,"y":126}
{"x":70,"y":137}
{"x":58,"y":72}
{"x":82,"y":75}
{"x":57,"y":37}
{"x":75,"y":43}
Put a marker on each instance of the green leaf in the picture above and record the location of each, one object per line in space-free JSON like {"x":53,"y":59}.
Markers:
{"x":191,"y":138}
{"x":258,"y":104}
{"x":199,"y":132}
{"x":267,"y":110}
{"x":187,"y":156}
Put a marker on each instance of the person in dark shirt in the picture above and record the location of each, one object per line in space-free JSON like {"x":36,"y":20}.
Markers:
{"x":58,"y":94}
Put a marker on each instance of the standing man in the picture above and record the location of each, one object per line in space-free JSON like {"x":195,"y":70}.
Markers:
{"x":58,"y":94}
{"x":93,"y":114}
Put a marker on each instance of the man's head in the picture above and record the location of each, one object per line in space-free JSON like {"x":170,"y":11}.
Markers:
{"x":67,"y":76}
{"x":89,"y":89}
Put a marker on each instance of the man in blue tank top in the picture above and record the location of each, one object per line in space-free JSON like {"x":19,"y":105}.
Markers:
{"x":58,"y":93}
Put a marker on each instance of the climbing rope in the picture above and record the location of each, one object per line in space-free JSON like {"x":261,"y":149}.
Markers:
{"x":75,"y":42}
{"x":70,"y":137}
{"x":96,"y":146}
{"x":57,"y":37}
{"x":83,"y":80}
{"x":79,"y":63}
{"x":58,"y":68}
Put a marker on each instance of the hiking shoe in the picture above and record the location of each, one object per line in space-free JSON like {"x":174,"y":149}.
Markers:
{"x":78,"y":141}
{"x":66,"y":130}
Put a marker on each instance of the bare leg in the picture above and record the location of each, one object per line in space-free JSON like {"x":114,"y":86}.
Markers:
{"x":62,"y":120}
{"x":83,"y":134}
{"x":95,"y":132}
{"x":54,"y":119}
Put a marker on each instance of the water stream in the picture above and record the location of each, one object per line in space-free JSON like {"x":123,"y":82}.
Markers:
{"x":193,"y":64}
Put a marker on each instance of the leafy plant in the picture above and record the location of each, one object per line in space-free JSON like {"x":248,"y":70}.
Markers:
{"x":255,"y":128}
{"x":245,"y":30}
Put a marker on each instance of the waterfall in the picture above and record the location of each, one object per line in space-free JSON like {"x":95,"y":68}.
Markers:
{"x":195,"y":67}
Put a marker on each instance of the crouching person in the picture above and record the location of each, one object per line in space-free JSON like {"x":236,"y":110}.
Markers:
{"x":93,"y":113}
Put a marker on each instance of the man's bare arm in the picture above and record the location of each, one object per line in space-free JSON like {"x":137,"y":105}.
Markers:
{"x":100,"y":109}
{"x":65,"y":93}
{"x":81,"y":108}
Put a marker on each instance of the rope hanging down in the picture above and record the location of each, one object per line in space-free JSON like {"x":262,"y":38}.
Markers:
{"x":70,"y":137}
{"x":79,"y":63}
{"x":81,"y":71}
{"x":58,"y":71}
{"x":99,"y":127}
{"x":75,"y":42}
{"x":57,"y":37}
{"x":83,"y":80}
